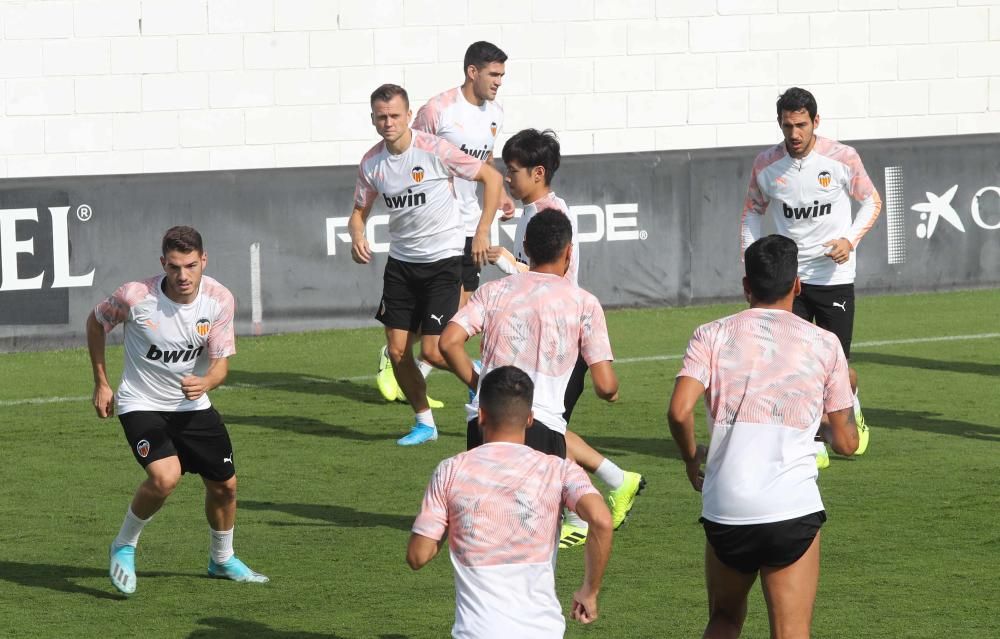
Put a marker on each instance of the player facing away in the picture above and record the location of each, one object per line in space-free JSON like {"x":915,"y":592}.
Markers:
{"x":413,"y":171}
{"x":532,"y":158}
{"x":768,"y":378}
{"x":470,"y":118}
{"x":179,"y":335}
{"x":807,"y":182}
{"x":499,"y":505}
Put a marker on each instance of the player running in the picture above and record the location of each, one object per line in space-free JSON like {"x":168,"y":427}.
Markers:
{"x":178,"y":337}
{"x":532,"y":158}
{"x":470,"y":118}
{"x":768,"y":377}
{"x":499,"y":506}
{"x":413,"y":171}
{"x":807,"y":182}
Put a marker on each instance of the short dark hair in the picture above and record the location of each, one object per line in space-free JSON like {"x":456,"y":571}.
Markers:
{"x":796,"y":99}
{"x":182,"y":239}
{"x":772,"y":262}
{"x":531,"y":147}
{"x":548,"y":233}
{"x":505,"y":395}
{"x":482,"y":53}
{"x":387,"y":92}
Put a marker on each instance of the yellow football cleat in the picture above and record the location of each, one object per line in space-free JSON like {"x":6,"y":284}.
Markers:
{"x":571,"y":536}
{"x":822,"y":459}
{"x":621,"y":500}
{"x":862,"y":433}
{"x":385,"y":379}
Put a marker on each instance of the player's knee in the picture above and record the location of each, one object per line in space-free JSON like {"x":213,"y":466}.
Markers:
{"x":432,"y":355}
{"x":163,"y":484}
{"x":222,"y":491}
{"x":728,"y":617}
{"x":397,"y":354}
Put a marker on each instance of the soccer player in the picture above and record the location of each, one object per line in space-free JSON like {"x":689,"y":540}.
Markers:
{"x":413,"y":171}
{"x":470,"y":118}
{"x":808,"y":182}
{"x":768,"y":377}
{"x":499,"y":505}
{"x":532,"y":158}
{"x":178,"y":337}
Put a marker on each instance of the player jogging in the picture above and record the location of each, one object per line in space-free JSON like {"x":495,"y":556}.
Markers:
{"x":808,"y":182}
{"x":470,"y":118}
{"x":499,"y":506}
{"x":532,"y":158}
{"x":178,"y":337}
{"x":413,"y":171}
{"x":768,"y":378}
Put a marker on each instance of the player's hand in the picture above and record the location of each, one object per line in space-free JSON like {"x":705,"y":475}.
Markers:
{"x":613,"y":398}
{"x":193,"y":386}
{"x":104,"y":400}
{"x":360,"y":251}
{"x":840,"y":250}
{"x":493,"y":254}
{"x":584,"y":605}
{"x":506,"y":206}
{"x":480,"y":249}
{"x":693,"y":468}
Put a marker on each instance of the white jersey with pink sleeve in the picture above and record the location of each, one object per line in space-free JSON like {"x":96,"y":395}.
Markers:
{"x":540,"y":323}
{"x":769,"y":377}
{"x":500,"y":505}
{"x":549,"y":201}
{"x":471,"y":128}
{"x":810,"y":202}
{"x":166,"y":341}
{"x":425,"y":224}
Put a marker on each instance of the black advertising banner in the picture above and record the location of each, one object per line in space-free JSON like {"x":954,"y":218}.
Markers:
{"x":656,"y":228}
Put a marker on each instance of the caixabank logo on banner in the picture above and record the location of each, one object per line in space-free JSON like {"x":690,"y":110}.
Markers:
{"x":35,"y":254}
{"x":612,"y":222}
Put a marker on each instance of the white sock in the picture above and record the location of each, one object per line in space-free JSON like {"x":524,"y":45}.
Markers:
{"x":857,"y":405}
{"x":610,"y":474}
{"x":820,"y":448}
{"x":426,"y":417}
{"x":131,"y":528}
{"x":573,"y":519}
{"x":425,"y":368}
{"x":220,"y":546}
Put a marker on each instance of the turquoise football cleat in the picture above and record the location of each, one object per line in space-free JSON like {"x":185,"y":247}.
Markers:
{"x":419,"y":434}
{"x":235,"y":570}
{"x":122,"y":569}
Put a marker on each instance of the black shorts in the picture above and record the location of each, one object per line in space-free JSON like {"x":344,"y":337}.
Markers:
{"x":831,"y":307}
{"x":470,"y":270}
{"x":420,"y":297}
{"x":539,"y":436}
{"x":747,"y":548}
{"x":197,"y":437}
{"x":574,"y":388}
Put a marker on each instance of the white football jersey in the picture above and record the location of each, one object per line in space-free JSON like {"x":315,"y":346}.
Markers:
{"x":550,"y":201}
{"x":472,"y":129}
{"x":425,"y":224}
{"x":166,"y":341}
{"x":810,"y":202}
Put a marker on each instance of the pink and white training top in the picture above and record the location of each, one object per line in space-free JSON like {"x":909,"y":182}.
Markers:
{"x":810,"y":202}
{"x":166,"y":341}
{"x":471,"y":128}
{"x":549,"y":201}
{"x":539,"y":323}
{"x":500,"y":505}
{"x":425,"y":224}
{"x":769,"y":376}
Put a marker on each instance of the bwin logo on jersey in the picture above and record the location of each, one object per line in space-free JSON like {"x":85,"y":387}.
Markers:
{"x":479,"y":154}
{"x":408,"y":199}
{"x":418,"y":174}
{"x":171,"y":357}
{"x":801,"y":213}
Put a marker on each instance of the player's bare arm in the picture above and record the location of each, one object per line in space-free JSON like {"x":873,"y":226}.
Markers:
{"x":194,"y":386}
{"x":507,"y":205}
{"x":421,"y":550}
{"x":842,"y":432}
{"x":360,"y":251}
{"x":492,"y":183}
{"x":104,"y":396}
{"x":680,"y":416}
{"x":605,"y":380}
{"x":592,"y":509}
{"x":452,"y":347}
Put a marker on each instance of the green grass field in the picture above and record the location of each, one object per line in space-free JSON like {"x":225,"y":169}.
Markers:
{"x":327,"y":498}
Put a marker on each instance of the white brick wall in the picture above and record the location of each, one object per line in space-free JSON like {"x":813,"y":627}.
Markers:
{"x":128,"y":86}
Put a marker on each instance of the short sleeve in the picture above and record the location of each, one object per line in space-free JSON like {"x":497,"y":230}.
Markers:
{"x":595,"y":345}
{"x":837,"y":393}
{"x":115,"y":309}
{"x":364,"y":191}
{"x":432,"y":522}
{"x":426,"y":119}
{"x":576,"y":484}
{"x":698,"y":357}
{"x":222,"y":334}
{"x":472,"y":316}
{"x":455,"y":161}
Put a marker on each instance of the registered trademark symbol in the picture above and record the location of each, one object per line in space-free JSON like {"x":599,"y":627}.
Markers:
{"x":643,"y":235}
{"x":84,"y":212}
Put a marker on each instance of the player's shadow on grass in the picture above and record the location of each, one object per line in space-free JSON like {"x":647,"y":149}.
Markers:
{"x":331,"y":514}
{"x":365,"y":393}
{"x":928,"y":422}
{"x":885,"y":359}
{"x":224,"y":628}
{"x":61,"y":578}
{"x":308,"y":426}
{"x":652,"y":446}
